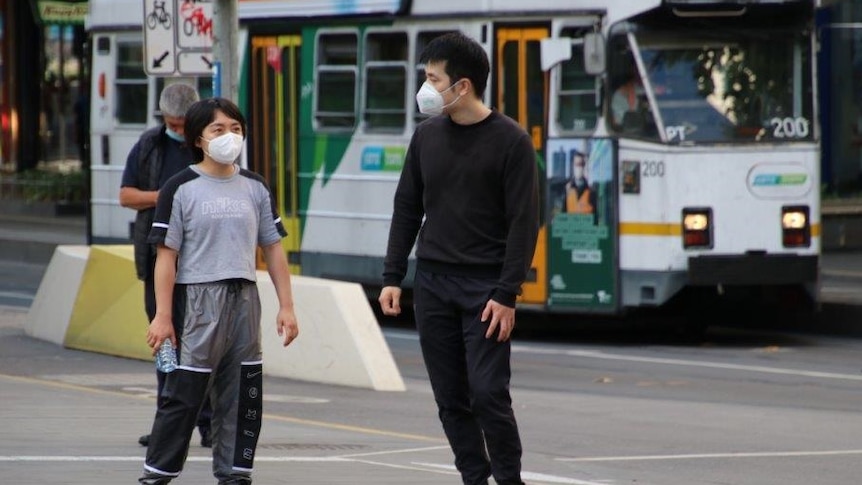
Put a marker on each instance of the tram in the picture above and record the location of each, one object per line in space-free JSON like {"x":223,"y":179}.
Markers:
{"x":677,"y":139}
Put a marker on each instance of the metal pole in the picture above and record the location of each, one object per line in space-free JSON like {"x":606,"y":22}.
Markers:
{"x":225,"y":49}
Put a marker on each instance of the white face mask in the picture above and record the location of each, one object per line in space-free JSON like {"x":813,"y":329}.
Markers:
{"x":225,"y":148}
{"x":431,"y":101}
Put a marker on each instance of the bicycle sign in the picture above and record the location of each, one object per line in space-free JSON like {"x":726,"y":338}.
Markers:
{"x":178,"y":37}
{"x":159,"y":16}
{"x":197,"y":24}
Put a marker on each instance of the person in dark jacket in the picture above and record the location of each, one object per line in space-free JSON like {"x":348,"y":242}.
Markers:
{"x":160,"y":153}
{"x":469,"y":191}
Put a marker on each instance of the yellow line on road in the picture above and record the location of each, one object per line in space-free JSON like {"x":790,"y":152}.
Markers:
{"x":348,"y":427}
{"x":275,"y":417}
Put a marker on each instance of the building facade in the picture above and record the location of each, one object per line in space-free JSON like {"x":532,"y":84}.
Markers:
{"x":41,"y":89}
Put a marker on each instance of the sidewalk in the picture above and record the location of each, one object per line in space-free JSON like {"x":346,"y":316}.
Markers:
{"x":32,"y":239}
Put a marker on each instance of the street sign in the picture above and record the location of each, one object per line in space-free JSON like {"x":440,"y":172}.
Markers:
{"x":178,"y":37}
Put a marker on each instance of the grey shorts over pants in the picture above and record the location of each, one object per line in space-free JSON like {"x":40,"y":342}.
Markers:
{"x":221,"y":355}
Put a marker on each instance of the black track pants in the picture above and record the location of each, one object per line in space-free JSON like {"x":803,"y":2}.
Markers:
{"x":469,"y":375}
{"x":220,"y":351}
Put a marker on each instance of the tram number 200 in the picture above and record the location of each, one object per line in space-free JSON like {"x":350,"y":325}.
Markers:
{"x":790,"y":127}
{"x":651,"y":168}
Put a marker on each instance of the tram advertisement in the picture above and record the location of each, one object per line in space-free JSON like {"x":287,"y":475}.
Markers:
{"x":582,"y":236}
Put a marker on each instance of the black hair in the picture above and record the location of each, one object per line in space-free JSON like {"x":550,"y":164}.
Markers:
{"x":575,"y":153}
{"x":201,"y":114}
{"x":464,"y":58}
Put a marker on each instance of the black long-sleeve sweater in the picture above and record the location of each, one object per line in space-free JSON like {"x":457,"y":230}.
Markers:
{"x":476,"y":187}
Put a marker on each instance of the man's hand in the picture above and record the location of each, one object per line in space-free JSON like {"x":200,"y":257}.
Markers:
{"x":390,"y":300}
{"x":285,"y":324}
{"x":501,"y":316}
{"x":161,"y":329}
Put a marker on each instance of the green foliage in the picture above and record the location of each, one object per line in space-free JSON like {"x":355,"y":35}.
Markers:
{"x":50,"y":186}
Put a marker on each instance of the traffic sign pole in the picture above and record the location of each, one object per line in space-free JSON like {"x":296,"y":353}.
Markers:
{"x":225,"y":39}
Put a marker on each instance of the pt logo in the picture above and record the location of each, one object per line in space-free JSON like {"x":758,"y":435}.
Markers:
{"x":247,"y":453}
{"x":252,"y":392}
{"x":251,"y":414}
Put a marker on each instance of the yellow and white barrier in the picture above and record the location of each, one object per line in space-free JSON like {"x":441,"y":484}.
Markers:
{"x":90,"y":299}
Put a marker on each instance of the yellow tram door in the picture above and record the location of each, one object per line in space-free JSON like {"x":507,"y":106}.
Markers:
{"x":274,"y":121}
{"x":521,"y":89}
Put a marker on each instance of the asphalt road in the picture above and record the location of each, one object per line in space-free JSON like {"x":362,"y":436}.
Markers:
{"x":595,"y":407}
{"x":19,"y":282}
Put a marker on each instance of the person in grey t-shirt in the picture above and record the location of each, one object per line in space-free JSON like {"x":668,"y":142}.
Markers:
{"x":210,"y":218}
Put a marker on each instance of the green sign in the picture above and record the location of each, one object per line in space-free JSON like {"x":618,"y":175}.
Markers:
{"x":582,"y":269}
{"x":60,"y":12}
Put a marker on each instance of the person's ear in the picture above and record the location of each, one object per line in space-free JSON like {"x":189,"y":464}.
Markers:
{"x":465,"y":86}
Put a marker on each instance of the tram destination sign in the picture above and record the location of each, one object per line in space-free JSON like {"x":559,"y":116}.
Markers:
{"x":178,"y":37}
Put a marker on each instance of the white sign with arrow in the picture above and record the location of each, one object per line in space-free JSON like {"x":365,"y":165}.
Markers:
{"x":178,"y":37}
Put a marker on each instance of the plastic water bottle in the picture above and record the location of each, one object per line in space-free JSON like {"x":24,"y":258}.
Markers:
{"x":166,"y":358}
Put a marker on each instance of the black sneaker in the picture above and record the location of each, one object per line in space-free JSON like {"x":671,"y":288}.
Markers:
{"x":206,"y":439}
{"x":144,"y":440}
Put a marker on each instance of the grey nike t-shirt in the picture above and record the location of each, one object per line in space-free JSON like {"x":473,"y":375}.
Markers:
{"x":215,"y":224}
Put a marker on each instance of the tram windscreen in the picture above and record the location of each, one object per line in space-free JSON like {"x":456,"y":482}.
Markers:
{"x":732,"y":86}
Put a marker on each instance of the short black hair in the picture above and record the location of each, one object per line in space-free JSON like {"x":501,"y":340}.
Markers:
{"x":575,"y":154}
{"x":201,"y":114}
{"x":464,"y":58}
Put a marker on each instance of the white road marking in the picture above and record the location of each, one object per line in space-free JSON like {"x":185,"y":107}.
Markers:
{"x":294,"y":399}
{"x":597,"y":354}
{"x":765,"y":454}
{"x":415,"y":466}
{"x":528,"y":476}
{"x":395,"y":452}
{"x":55,"y":459}
{"x":406,"y":467}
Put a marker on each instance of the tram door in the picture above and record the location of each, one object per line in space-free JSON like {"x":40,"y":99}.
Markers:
{"x":521,"y":89}
{"x":274,"y":127}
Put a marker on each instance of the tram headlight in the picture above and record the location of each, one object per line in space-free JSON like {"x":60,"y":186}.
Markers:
{"x":695,"y":222}
{"x":795,"y":226}
{"x":794,"y":219}
{"x":697,"y":228}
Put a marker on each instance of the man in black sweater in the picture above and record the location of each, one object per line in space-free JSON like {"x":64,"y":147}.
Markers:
{"x":471,"y":173}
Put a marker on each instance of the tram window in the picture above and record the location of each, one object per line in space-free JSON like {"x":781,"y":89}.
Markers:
{"x":578,"y":94}
{"x":335,"y":106}
{"x":131,"y":84}
{"x":422,"y":40}
{"x":385,"y":81}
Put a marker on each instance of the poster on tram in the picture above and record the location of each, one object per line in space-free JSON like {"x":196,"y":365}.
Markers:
{"x":582,"y":218}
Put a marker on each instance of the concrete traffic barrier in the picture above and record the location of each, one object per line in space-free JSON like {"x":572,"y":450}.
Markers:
{"x":109,"y":315}
{"x":90,"y":299}
{"x":339,"y":337}
{"x":48,"y":317}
